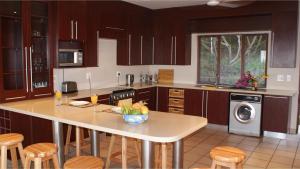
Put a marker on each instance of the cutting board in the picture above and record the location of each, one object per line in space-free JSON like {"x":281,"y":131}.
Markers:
{"x":165,"y":76}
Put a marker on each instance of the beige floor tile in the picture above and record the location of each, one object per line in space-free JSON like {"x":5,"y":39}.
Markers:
{"x":246,"y":147}
{"x":296,"y":163}
{"x":274,"y":165}
{"x":284,"y":153}
{"x":257,"y":162}
{"x":205,"y":160}
{"x":287,"y":148}
{"x":199,"y":165}
{"x":246,"y":166}
{"x":264,"y":150}
{"x":261,"y":156}
{"x":282,"y":160}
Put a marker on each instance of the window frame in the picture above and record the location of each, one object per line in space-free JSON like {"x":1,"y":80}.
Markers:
{"x":218,"y":35}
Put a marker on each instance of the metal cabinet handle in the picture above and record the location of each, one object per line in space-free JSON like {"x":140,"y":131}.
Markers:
{"x":15,"y":98}
{"x":153,"y":49}
{"x":26,"y":69}
{"x":30,"y":61}
{"x":141,"y":50}
{"x":72,"y":29}
{"x":46,"y":94}
{"x":172,"y":50}
{"x":206,"y":104}
{"x":175,"y":50}
{"x":97,"y":43}
{"x":276,"y":97}
{"x":76,"y":30}
{"x":129,"y":49}
{"x":140,"y":93}
{"x":202,"y":103}
{"x":115,"y":28}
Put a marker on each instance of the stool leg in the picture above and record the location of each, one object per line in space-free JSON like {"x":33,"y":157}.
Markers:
{"x":27,"y":163}
{"x":3,"y":157}
{"x":37,"y":163}
{"x":81,"y":136}
{"x":213,"y":165}
{"x":68,"y":139}
{"x":138,"y":154}
{"x":13,"y":154}
{"x":77,"y":141}
{"x":164,"y":156}
{"x":157,"y":156}
{"x":20,"y":148}
{"x":46,"y":164}
{"x":110,"y":148}
{"x":124,"y":152}
{"x":55,"y":161}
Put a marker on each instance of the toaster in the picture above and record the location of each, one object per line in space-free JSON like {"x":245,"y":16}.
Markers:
{"x":69,"y":87}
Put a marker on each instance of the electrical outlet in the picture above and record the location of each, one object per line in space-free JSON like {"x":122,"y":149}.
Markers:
{"x":288,"y":78}
{"x":280,"y":78}
{"x":88,"y":75}
{"x":118,"y":74}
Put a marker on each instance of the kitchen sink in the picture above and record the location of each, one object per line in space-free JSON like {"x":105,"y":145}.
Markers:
{"x":214,"y":87}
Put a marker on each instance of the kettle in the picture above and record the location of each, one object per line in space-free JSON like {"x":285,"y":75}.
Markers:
{"x":129,"y":79}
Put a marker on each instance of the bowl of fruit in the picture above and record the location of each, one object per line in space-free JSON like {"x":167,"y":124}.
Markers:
{"x":136,"y":113}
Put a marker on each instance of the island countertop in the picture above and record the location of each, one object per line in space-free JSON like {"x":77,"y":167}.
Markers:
{"x":161,"y":127}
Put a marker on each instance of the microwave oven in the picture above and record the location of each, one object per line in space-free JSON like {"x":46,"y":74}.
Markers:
{"x":70,"y":57}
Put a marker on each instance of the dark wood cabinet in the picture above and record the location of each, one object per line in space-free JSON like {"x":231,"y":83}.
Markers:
{"x":71,"y":20}
{"x":217,"y":107}
{"x":275,"y":113}
{"x":147,"y":95}
{"x":284,"y":27}
{"x":194,"y":102}
{"x":163,"y":99}
{"x":27,"y":45}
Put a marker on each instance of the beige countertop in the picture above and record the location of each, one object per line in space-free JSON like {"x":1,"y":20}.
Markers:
{"x":160,"y":127}
{"x":137,"y":86}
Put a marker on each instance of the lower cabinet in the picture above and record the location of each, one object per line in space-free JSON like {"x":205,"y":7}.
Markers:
{"x":275,"y":113}
{"x":163,"y":99}
{"x":213,"y":105}
{"x":147,"y":95}
{"x":217,"y":107}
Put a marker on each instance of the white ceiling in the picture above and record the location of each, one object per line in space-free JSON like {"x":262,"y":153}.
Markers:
{"x":159,"y":4}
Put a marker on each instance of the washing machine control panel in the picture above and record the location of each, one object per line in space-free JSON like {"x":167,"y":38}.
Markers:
{"x":248,"y":98}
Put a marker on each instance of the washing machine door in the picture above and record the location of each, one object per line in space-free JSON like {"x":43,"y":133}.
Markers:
{"x":244,"y":112}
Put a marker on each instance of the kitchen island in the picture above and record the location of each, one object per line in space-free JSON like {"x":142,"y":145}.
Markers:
{"x":161,"y":127}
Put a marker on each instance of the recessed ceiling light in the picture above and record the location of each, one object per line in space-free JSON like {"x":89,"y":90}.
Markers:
{"x":213,"y":2}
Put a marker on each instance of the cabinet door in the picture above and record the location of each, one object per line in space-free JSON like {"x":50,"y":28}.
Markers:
{"x":13,"y":51}
{"x":21,"y":123}
{"x":163,"y":99}
{"x":194,"y":102}
{"x":147,"y":95}
{"x":65,"y":20}
{"x":40,"y":32}
{"x":275,"y":113}
{"x":147,"y":50}
{"x":40,"y":127}
{"x":217,"y":107}
{"x":135,"y":49}
{"x":284,"y":26}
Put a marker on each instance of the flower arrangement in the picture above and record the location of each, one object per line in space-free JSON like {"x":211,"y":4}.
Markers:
{"x":249,"y":80}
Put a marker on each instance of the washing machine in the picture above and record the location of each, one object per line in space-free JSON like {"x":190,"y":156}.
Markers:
{"x":245,"y":114}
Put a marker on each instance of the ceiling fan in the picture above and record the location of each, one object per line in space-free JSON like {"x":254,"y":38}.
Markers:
{"x":229,"y":3}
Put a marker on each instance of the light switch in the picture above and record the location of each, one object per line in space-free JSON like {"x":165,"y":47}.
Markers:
{"x":280,"y":78}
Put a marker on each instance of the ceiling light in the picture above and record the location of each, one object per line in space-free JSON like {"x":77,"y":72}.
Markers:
{"x":213,"y":2}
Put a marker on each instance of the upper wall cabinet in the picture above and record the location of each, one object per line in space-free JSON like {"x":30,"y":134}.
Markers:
{"x":72,"y":20}
{"x":284,"y":37}
{"x":172,"y":40}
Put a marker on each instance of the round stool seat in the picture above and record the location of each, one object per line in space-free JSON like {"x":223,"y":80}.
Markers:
{"x":86,"y":162}
{"x":10,"y":139}
{"x":227,"y":154}
{"x":40,"y":150}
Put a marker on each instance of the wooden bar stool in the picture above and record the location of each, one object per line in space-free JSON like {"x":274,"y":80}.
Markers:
{"x":161,"y":155}
{"x":123,"y":152}
{"x":11,"y":141}
{"x":86,"y":162}
{"x":227,"y":157}
{"x":41,"y":153}
{"x":79,"y":142}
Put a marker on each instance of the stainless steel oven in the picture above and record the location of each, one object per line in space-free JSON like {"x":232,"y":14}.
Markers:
{"x":70,"y":57}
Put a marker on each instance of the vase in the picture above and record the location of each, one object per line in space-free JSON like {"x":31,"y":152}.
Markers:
{"x":254,"y":86}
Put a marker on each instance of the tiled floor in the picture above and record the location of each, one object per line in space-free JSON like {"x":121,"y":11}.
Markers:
{"x":261,"y":152}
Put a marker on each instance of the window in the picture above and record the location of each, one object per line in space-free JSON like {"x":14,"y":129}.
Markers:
{"x":223,"y":59}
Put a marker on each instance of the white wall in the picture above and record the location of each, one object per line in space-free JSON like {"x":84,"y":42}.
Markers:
{"x":104,"y":75}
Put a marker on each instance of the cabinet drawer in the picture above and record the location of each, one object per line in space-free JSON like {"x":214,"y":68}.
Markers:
{"x":176,"y":93}
{"x":176,"y":102}
{"x":176,"y":110}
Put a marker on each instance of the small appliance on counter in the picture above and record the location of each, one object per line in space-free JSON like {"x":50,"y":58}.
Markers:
{"x":129,"y":79}
{"x":69,"y":87}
